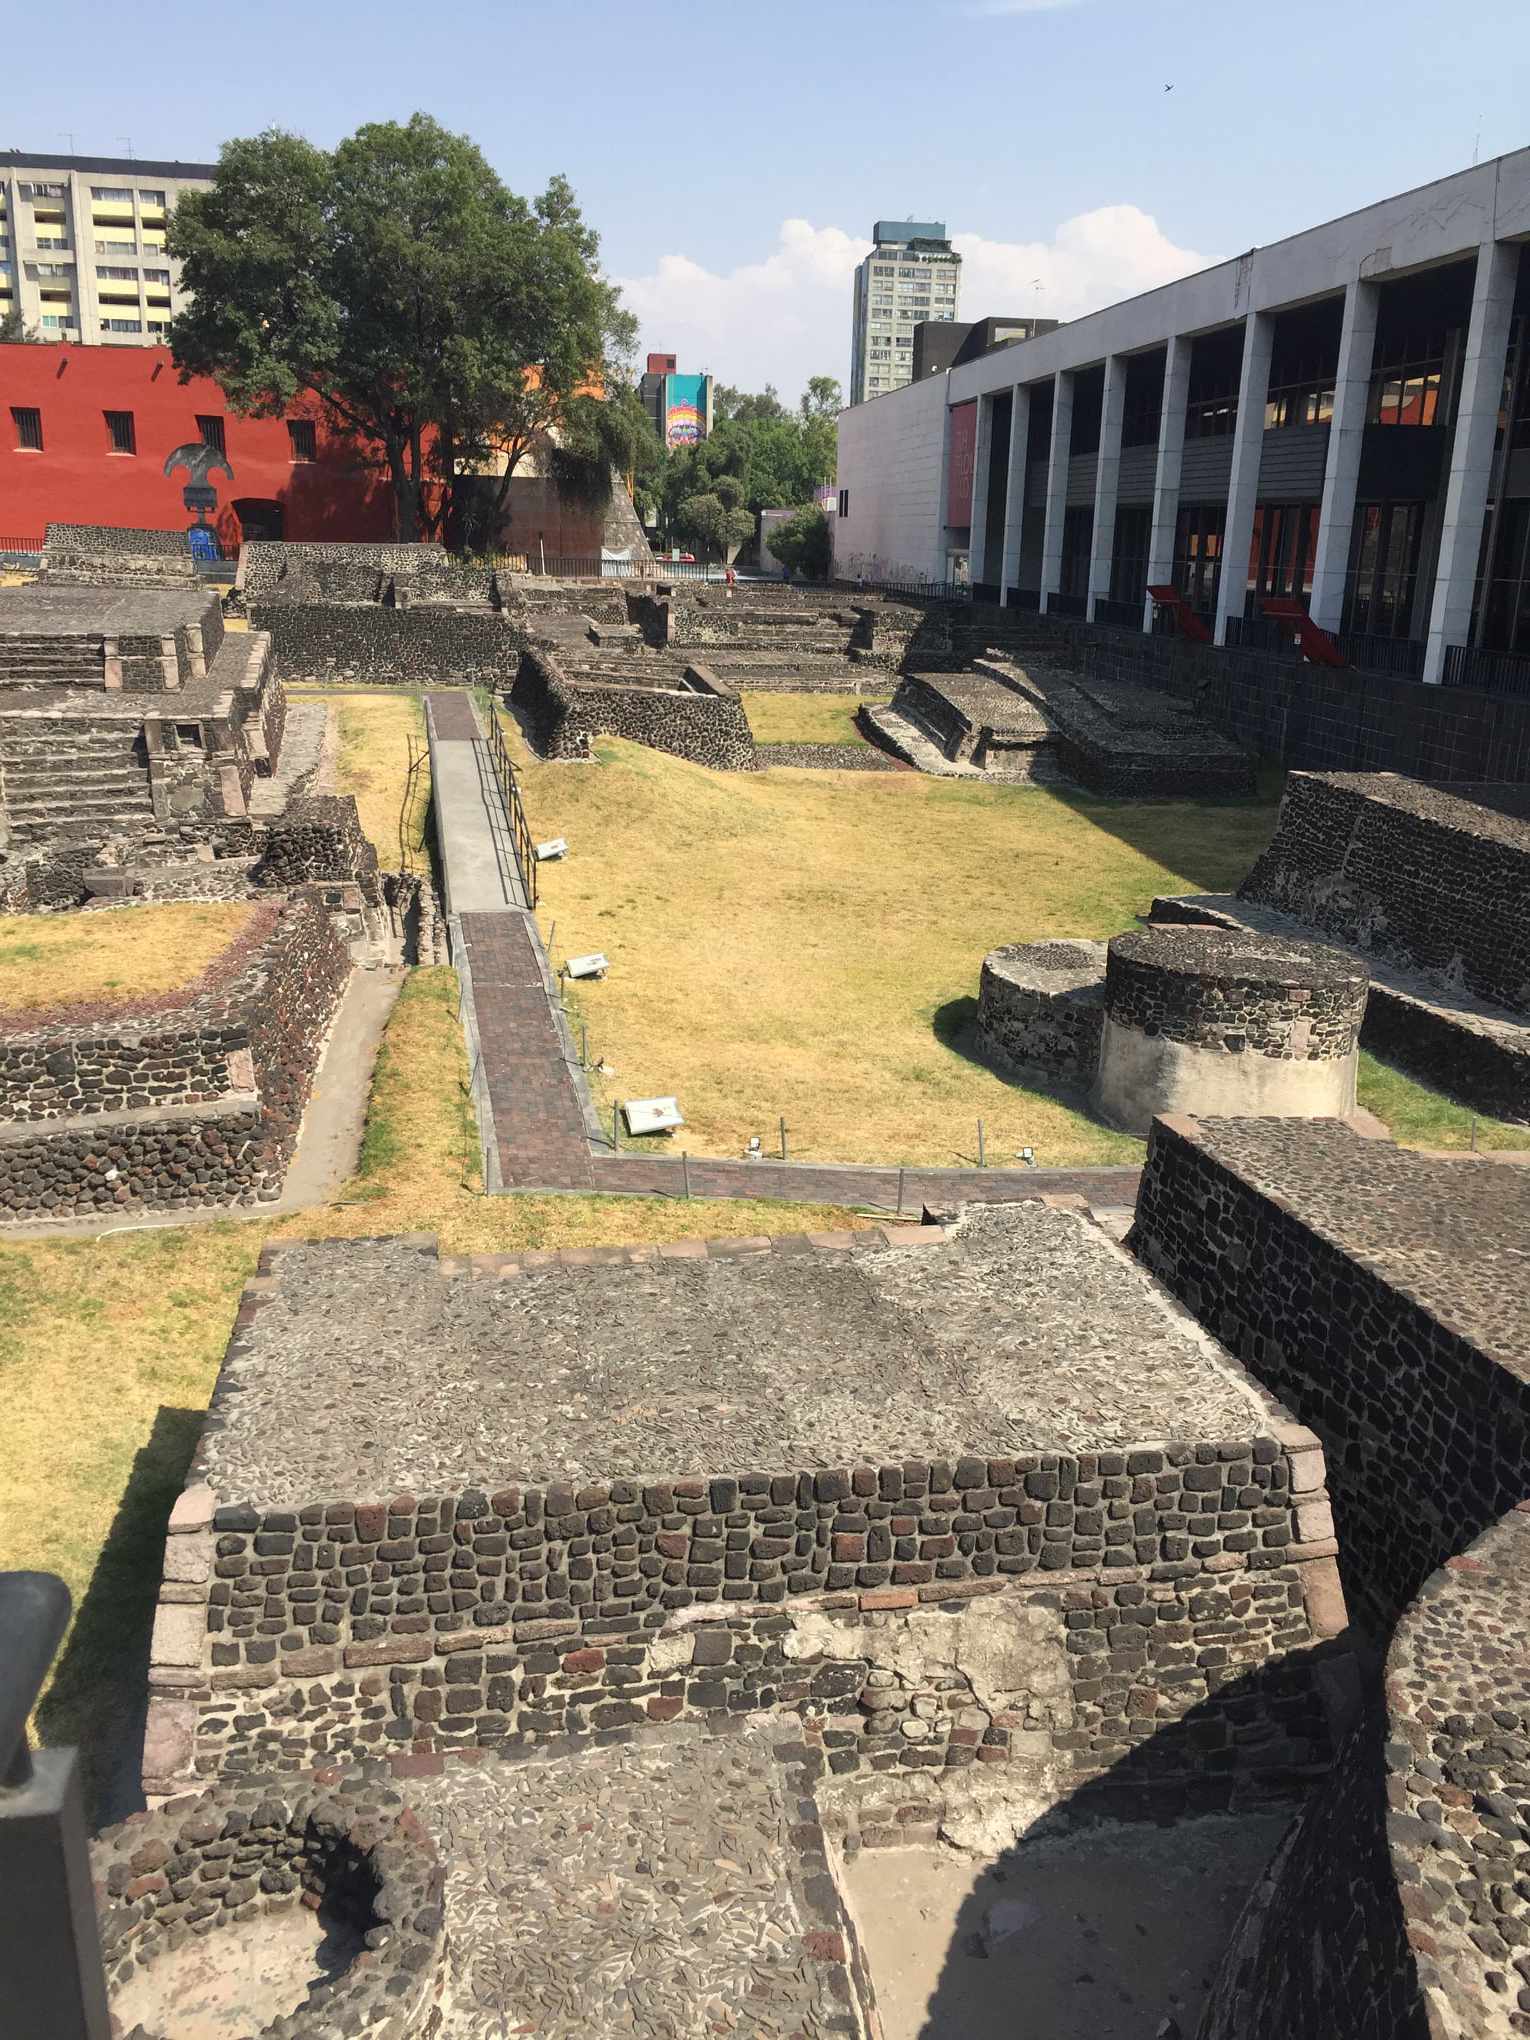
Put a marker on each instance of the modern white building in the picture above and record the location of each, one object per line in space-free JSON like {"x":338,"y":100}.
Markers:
{"x":912,"y":274}
{"x":1341,"y":419}
{"x":82,"y":245}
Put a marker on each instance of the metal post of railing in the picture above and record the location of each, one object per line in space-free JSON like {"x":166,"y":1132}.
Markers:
{"x":50,"y":1947}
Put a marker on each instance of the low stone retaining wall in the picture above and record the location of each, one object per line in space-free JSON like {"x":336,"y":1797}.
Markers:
{"x":226,"y":1861}
{"x":197,"y":1101}
{"x":1041,"y":1006}
{"x":1437,"y":883}
{"x":565,"y":714}
{"x":859,"y":757}
{"x":431,"y":644}
{"x":1373,"y":1291}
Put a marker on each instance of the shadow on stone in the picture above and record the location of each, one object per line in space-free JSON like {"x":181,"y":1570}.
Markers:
{"x":98,"y":1694}
{"x":1145,"y":1901}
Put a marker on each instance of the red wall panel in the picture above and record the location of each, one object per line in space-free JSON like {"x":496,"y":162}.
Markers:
{"x":77,"y":479}
{"x":963,"y":458}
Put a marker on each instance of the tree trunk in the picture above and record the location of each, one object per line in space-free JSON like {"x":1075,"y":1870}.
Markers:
{"x":406,"y":514}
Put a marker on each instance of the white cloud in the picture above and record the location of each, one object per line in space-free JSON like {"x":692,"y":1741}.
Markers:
{"x":787,"y":316}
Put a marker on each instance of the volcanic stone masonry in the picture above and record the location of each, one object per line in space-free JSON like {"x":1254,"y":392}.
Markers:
{"x":193,"y":1100}
{"x":1429,"y":888}
{"x":87,"y":555}
{"x":401,"y":615}
{"x":244,"y":1853}
{"x":1380,"y":1294}
{"x":565,"y":713}
{"x":953,"y":1502}
{"x":1180,"y":1018}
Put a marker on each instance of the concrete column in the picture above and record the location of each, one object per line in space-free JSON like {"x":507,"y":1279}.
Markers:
{"x":1243,"y":481}
{"x":1107,"y":476}
{"x":1171,"y":458}
{"x":1014,"y":493}
{"x":977,"y":521}
{"x":1346,"y":438}
{"x":1471,"y":452}
{"x":1057,"y":483}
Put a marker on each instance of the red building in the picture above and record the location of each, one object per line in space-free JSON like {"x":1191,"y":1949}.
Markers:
{"x":85,"y":431}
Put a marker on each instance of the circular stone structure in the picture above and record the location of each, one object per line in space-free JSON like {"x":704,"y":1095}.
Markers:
{"x":1041,"y":1006}
{"x":277,"y":1908}
{"x":1225,"y":1022}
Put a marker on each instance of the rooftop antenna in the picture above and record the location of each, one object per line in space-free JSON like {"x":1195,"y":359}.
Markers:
{"x":1476,"y":147}
{"x":127,"y":143}
{"x":68,"y":135}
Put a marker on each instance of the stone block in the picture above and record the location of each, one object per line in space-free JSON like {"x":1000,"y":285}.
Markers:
{"x":179,"y":1636}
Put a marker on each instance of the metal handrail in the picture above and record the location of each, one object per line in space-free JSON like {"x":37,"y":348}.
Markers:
{"x":520,"y":829}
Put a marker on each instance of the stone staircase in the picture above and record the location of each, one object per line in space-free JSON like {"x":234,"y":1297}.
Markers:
{"x":75,"y":786}
{"x":35,"y":659}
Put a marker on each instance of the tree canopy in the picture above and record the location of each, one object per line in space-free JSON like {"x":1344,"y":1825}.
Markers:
{"x":396,"y":279}
{"x":803,"y":543}
{"x":777,"y":457}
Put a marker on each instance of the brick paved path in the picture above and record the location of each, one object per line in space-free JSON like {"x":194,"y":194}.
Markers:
{"x":847,"y":1183}
{"x":538,"y":1125}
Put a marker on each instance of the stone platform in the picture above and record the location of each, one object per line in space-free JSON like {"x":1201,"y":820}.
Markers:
{"x":660,"y":1891}
{"x":1025,"y":1329}
{"x":1448,"y":1038}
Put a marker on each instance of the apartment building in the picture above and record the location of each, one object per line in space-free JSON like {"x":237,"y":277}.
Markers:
{"x":1337,"y":424}
{"x":912,"y":274}
{"x":82,"y":245}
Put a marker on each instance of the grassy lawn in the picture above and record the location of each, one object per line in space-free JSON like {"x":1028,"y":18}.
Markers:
{"x":1422,"y":1118}
{"x":807,"y":718}
{"x":809,"y":945}
{"x":109,"y":1347}
{"x":374,"y":758}
{"x":49,"y":960}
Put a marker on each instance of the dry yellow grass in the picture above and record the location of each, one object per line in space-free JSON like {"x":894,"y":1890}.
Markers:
{"x":420,"y":1167}
{"x":373,"y":760}
{"x":125,"y":952}
{"x":806,"y":718}
{"x":808,"y":944}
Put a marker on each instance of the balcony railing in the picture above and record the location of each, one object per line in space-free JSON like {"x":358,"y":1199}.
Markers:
{"x":1401,"y":657}
{"x":1126,"y":615}
{"x":1491,"y":672}
{"x":1025,"y":598}
{"x":1059,"y":604}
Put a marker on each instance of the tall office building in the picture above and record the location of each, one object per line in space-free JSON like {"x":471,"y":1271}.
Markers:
{"x":912,"y":274}
{"x":82,"y":245}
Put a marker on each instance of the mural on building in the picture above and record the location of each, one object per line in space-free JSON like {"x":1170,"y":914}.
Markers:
{"x":685,"y":418}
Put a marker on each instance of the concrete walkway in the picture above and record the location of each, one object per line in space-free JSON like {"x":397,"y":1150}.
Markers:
{"x":530,"y":1109}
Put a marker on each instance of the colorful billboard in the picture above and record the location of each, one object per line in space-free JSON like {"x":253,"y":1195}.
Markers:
{"x":685,"y":409}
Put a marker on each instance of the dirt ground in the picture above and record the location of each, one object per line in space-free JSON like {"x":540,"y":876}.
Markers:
{"x":1101,"y":1935}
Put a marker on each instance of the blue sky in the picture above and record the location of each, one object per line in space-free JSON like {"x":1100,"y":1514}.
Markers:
{"x":694,"y":136}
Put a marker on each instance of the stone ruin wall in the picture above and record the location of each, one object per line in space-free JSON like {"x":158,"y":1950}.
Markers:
{"x":102,"y":1115}
{"x":566,"y":713}
{"x":87,"y":555}
{"x":1152,"y":1622}
{"x":874,"y":635}
{"x":429,"y":646}
{"x":1398,"y":1905}
{"x":248,"y":1852}
{"x":1411,"y":873}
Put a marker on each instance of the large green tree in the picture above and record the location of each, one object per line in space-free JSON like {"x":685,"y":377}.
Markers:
{"x":429,"y":309}
{"x":803,"y":544}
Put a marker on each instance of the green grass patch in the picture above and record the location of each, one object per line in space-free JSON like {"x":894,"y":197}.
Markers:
{"x":1419,"y":1117}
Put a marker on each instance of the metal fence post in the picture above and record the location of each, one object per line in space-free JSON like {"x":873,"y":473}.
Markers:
{"x":50,"y":1946}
